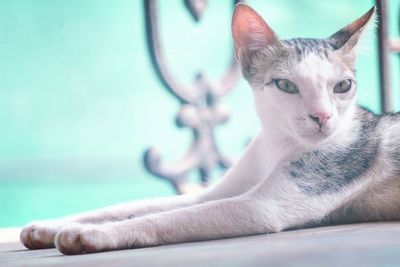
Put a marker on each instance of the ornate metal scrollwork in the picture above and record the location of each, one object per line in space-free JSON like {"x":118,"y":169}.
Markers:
{"x":201,"y":109}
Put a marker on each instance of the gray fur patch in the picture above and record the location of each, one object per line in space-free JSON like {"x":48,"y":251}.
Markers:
{"x":318,"y":172}
{"x":305,"y":46}
{"x":396,"y":158}
{"x":255,"y":62}
{"x":393,"y":141}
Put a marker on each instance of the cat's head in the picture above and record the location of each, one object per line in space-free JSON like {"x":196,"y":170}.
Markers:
{"x":304,"y":87}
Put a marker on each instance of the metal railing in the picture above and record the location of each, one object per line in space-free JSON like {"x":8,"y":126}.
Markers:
{"x":386,"y":46}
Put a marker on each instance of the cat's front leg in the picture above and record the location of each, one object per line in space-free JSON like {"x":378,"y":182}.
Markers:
{"x":274,"y":205}
{"x":41,"y":234}
{"x":213,"y":220}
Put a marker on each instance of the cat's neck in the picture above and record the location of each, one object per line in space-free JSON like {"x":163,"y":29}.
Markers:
{"x":273,"y":146}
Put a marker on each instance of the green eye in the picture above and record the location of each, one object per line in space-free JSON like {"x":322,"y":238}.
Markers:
{"x":286,"y":86}
{"x":343,"y":87}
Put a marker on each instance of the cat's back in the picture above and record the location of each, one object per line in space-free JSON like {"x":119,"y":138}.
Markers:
{"x":382,"y":129}
{"x":388,"y":134}
{"x":380,"y":200}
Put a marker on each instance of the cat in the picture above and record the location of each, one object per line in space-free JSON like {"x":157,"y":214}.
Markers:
{"x":319,"y":159}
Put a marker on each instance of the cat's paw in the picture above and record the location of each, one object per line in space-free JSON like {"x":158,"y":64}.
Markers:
{"x":39,"y":235}
{"x":78,"y":238}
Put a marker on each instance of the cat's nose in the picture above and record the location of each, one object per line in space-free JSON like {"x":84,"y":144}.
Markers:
{"x":321,"y":118}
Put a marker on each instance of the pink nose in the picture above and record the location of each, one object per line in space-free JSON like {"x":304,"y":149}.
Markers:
{"x":321,"y":118}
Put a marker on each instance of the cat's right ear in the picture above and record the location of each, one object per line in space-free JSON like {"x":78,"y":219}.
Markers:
{"x":249,"y":30}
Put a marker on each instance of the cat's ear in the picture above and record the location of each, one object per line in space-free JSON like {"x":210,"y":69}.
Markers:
{"x":347,"y":38}
{"x":249,"y":30}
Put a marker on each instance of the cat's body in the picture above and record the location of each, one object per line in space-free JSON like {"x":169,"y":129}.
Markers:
{"x":318,"y":160}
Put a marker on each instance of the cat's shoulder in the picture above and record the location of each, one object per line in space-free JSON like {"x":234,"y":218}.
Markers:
{"x":365,"y":114}
{"x":384,"y":127}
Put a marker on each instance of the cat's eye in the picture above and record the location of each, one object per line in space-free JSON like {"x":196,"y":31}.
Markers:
{"x":343,"y":87}
{"x":286,"y":86}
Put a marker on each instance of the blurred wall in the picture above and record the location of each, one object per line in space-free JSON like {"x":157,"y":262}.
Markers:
{"x":80,"y":102}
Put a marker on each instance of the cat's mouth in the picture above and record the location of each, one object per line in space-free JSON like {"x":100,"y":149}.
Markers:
{"x":322,"y":134}
{"x":321,"y":131}
{"x":326,"y":130}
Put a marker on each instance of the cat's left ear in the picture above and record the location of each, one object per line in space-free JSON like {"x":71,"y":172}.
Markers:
{"x":347,"y":38}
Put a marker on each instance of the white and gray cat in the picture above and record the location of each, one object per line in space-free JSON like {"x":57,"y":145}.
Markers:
{"x":319,"y":159}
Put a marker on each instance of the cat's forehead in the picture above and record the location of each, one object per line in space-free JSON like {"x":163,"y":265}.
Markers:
{"x":306,"y":46}
{"x":314,"y":70}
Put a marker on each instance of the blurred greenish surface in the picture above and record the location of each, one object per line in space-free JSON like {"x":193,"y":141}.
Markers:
{"x":80,"y":102}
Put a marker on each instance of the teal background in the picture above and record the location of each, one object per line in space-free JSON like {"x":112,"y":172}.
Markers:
{"x":80,"y":102}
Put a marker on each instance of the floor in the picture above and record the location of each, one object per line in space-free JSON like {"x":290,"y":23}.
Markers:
{"x":371,"y":244}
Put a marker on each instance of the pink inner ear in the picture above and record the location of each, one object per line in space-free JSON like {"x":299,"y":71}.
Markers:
{"x":249,"y":28}
{"x":359,"y":23}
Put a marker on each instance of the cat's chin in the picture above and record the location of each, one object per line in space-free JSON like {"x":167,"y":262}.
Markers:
{"x":314,"y":138}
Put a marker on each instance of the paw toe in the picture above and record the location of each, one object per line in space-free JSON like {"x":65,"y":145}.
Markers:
{"x":81,"y":239}
{"x":68,"y":242}
{"x":25,"y":237}
{"x":37,"y":237}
